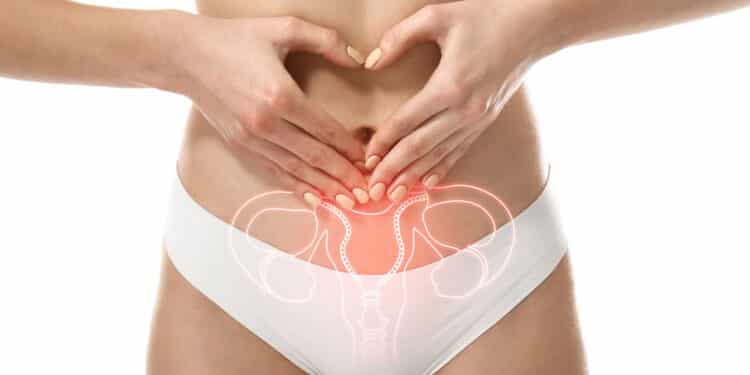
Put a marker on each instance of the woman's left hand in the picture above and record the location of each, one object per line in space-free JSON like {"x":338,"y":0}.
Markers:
{"x":486,"y":48}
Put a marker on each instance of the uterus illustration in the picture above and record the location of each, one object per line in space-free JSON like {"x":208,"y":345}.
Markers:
{"x":380,"y":261}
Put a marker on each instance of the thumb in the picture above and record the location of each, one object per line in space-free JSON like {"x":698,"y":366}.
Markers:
{"x":300,"y":35}
{"x":423,"y":26}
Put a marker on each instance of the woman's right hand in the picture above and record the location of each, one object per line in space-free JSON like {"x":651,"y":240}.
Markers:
{"x":233,"y":70}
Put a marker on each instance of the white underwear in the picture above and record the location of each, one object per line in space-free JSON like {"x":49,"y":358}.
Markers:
{"x":336,"y":322}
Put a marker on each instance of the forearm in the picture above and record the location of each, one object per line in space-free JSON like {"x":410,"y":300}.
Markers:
{"x":61,"y":41}
{"x":573,"y":22}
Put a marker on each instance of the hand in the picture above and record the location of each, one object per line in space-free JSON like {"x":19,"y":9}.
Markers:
{"x":234,"y":73}
{"x":486,"y":47}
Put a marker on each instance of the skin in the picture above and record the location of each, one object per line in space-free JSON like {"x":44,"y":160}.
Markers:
{"x":299,"y":113}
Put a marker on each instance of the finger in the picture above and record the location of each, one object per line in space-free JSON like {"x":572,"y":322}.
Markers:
{"x":287,"y":181}
{"x":414,"y":146}
{"x":423,"y":26}
{"x":413,"y":173}
{"x":316,"y":154}
{"x":290,"y":164}
{"x":425,"y":104}
{"x":302,"y":112}
{"x":443,"y":167}
{"x":299,"y":35}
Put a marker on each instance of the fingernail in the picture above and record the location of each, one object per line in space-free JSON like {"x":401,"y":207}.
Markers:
{"x":376,"y":192}
{"x":431,"y":181}
{"x":397,"y":194}
{"x":311,"y":199}
{"x":360,"y":165}
{"x":373,"y":58}
{"x":361,"y":195}
{"x":345,"y":201}
{"x":355,"y":55}
{"x":372,"y":161}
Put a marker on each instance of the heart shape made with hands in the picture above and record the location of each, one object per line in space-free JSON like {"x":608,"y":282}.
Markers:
{"x":460,"y":261}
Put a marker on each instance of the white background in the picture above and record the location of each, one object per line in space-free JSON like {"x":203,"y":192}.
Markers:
{"x":648,"y":136}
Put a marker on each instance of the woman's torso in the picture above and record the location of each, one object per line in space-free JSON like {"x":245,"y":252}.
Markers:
{"x":505,"y":160}
{"x":193,"y":336}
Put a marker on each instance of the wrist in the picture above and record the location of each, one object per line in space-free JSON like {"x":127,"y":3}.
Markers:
{"x":550,"y":27}
{"x":166,"y":36}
